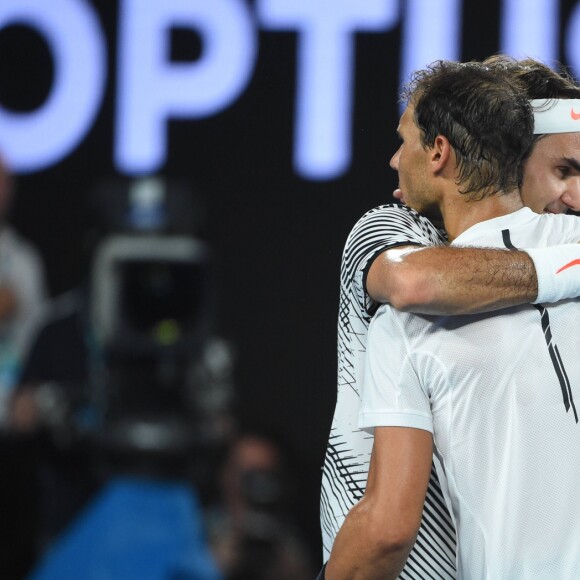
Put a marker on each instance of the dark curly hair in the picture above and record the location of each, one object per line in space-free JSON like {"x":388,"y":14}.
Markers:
{"x":540,"y":82}
{"x":485,"y":114}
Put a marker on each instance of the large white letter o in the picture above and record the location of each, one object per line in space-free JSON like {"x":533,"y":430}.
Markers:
{"x":34,"y":140}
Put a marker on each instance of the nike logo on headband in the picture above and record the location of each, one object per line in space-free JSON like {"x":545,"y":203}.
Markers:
{"x":574,"y":115}
{"x":569,"y":264}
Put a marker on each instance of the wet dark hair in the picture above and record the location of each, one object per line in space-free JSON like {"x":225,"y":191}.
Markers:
{"x":485,"y":114}
{"x":540,"y":82}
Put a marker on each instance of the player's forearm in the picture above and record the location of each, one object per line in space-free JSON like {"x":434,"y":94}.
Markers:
{"x":361,"y":552}
{"x":446,"y":280}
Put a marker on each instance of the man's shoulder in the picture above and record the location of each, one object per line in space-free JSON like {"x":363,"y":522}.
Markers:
{"x":553,"y":229}
{"x":381,"y":228}
{"x":566,"y":222}
{"x":393,"y":211}
{"x":396,"y":219}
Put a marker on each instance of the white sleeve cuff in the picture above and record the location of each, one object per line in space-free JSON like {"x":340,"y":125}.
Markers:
{"x":369,"y":420}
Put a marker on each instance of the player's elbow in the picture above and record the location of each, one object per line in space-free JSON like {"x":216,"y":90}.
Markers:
{"x":393,"y":540}
{"x":392,"y":536}
{"x":410,"y":293}
{"x":396,"y":278}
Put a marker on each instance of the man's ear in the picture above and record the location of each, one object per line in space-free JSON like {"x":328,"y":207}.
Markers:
{"x":440,"y":154}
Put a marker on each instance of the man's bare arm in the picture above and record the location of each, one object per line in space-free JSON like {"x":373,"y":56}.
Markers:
{"x":379,"y":532}
{"x":446,"y":280}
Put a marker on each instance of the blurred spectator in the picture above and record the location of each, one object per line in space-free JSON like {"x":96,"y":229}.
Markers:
{"x":252,"y":532}
{"x":22,"y":293}
{"x":53,"y":378}
{"x":22,"y":297}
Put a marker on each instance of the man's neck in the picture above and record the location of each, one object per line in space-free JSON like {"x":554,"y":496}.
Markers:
{"x":459,"y":214}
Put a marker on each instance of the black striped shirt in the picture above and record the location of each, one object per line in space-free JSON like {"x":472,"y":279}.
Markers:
{"x":348,"y":453}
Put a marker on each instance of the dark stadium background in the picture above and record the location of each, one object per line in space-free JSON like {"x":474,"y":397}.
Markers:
{"x":277,"y":236}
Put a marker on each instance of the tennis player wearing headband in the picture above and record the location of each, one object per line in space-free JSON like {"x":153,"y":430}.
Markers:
{"x":494,"y":392}
{"x":552,"y":171}
{"x":383,"y":262}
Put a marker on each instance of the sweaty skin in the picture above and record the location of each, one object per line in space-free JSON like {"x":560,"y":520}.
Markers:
{"x":448,"y":280}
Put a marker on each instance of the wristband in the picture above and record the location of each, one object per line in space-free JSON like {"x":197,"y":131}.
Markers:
{"x":558,"y":271}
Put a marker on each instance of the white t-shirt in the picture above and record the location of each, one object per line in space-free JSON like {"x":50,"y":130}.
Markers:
{"x":501,"y":394}
{"x":347,"y":458}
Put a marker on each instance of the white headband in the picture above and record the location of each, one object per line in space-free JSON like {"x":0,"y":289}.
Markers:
{"x":556,"y":115}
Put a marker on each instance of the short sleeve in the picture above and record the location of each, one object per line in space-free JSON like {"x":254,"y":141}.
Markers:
{"x":393,"y":393}
{"x":381,"y":228}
